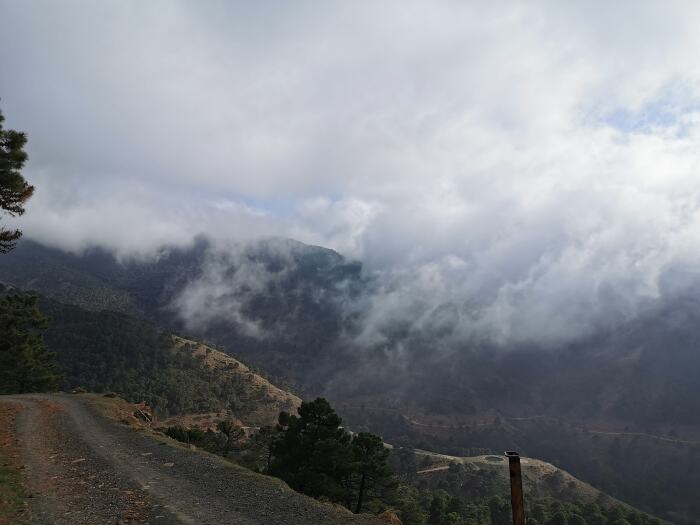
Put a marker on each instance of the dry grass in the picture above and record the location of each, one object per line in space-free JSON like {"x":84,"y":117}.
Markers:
{"x":118,"y":409}
{"x":267,"y":400}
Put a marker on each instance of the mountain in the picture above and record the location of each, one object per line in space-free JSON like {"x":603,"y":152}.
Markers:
{"x":620,"y":409}
{"x":190,"y":384}
{"x":278,"y":302}
{"x":289,"y":309}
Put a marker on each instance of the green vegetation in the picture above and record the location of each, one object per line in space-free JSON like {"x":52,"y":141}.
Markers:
{"x":643,"y":376}
{"x":14,"y":190}
{"x":233,"y":434}
{"x":113,"y":352}
{"x":316,"y":456}
{"x":11,"y":494}
{"x":370,"y":459}
{"x":214,"y":442}
{"x":655,"y":476}
{"x":311,"y":452}
{"x":417,"y":507}
{"x":25,"y":363}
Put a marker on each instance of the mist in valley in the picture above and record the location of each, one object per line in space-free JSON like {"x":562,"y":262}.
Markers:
{"x":472,"y":226}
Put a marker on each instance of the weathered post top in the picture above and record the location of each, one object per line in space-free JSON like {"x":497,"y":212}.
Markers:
{"x":516,"y":488}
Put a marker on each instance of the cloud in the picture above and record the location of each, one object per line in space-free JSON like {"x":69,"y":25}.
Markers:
{"x":229,"y":280}
{"x":523,"y":172}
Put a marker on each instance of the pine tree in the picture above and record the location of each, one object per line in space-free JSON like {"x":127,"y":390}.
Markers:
{"x":313,"y":453}
{"x":14,"y":190}
{"x":25,"y":363}
{"x":234,"y":434}
{"x":437,"y":510}
{"x":371,"y":466}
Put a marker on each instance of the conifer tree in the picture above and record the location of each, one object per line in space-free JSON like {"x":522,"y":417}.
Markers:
{"x":313,"y":453}
{"x":14,"y":190}
{"x":234,"y":433}
{"x":371,"y":466}
{"x":25,"y":363}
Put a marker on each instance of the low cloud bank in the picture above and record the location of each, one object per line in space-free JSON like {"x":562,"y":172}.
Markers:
{"x":523,"y":174}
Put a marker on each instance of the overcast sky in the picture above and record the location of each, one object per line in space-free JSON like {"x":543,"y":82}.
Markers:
{"x":538,"y":158}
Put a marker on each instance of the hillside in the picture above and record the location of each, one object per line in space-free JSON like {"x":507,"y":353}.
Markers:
{"x":108,"y":351}
{"x":487,"y":475}
{"x":260,"y":402}
{"x":191,"y":384}
{"x":294,"y":311}
{"x":292,"y":293}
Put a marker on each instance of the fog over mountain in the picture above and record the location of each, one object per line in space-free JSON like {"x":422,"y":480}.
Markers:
{"x":525,"y":174}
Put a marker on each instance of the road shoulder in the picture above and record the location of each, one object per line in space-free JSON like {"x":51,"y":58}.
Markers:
{"x":13,"y":498}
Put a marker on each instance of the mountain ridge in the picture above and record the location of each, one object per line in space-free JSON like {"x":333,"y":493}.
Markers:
{"x":642,"y":375}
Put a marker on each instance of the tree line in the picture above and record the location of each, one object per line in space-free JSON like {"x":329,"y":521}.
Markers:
{"x":315,"y":455}
{"x":311,"y":451}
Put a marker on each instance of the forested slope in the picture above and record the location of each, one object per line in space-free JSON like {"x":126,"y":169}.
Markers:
{"x":109,"y":351}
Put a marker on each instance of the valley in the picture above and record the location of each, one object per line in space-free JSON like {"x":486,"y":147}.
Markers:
{"x":318,"y":262}
{"x":486,"y":400}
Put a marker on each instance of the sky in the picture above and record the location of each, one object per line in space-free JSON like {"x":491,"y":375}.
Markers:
{"x":535,"y":162}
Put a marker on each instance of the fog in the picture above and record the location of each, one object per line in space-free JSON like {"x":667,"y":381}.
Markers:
{"x":526,"y":173}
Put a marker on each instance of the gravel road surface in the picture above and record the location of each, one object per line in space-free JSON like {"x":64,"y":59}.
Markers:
{"x":81,"y":467}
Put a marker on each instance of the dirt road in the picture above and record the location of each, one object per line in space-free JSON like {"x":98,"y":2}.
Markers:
{"x":82,"y":468}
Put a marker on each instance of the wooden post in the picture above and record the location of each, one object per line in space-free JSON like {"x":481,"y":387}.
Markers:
{"x":516,"y":488}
